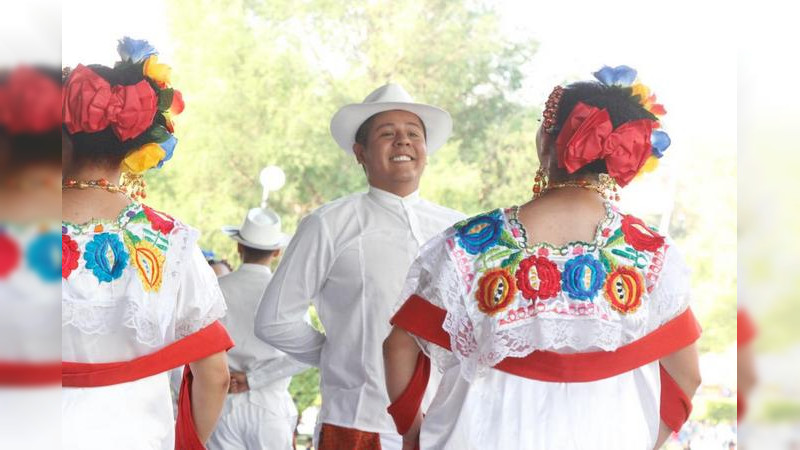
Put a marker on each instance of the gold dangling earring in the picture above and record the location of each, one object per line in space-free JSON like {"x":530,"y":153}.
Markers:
{"x":610,"y":187}
{"x":539,"y":182}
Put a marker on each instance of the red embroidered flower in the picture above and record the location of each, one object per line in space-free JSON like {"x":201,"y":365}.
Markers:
{"x":495,"y":292}
{"x":158,"y":220}
{"x":639,"y":235}
{"x":9,"y":255}
{"x":69,"y":255}
{"x":538,"y":277}
{"x":624,"y":289}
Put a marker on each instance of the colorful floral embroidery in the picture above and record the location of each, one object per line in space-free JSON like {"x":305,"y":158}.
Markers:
{"x":106,"y":257}
{"x":495,"y":291}
{"x":159,"y":221}
{"x":538,"y":277}
{"x":479,"y":233}
{"x":44,"y":256}
{"x":639,"y":235}
{"x":9,"y":254}
{"x":69,"y":255}
{"x":583,"y":277}
{"x":624,"y":289}
{"x":148,"y":261}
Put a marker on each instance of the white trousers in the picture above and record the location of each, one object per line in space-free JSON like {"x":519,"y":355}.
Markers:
{"x":247,"y":426}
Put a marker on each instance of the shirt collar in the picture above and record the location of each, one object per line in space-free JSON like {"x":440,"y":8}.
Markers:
{"x":250,"y":267}
{"x":387,"y":198}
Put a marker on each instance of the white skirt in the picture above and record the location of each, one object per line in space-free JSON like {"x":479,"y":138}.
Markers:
{"x":135,"y":416}
{"x":502,"y":411}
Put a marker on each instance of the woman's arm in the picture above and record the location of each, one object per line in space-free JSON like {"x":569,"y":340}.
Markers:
{"x":684,"y":367}
{"x":209,"y":388}
{"x":400,"y":353}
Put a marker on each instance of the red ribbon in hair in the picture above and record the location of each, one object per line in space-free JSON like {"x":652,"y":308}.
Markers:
{"x":588,"y":135}
{"x":29,"y":102}
{"x":91,"y":104}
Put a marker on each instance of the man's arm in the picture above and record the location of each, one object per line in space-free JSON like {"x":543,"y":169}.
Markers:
{"x":299,"y":278}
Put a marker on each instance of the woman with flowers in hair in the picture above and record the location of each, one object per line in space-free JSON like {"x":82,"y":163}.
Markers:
{"x":138,"y":297}
{"x":562,"y":323}
{"x":30,"y":204}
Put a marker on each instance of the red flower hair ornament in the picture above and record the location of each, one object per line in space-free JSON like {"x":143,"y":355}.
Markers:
{"x":588,"y":135}
{"x":91,"y":104}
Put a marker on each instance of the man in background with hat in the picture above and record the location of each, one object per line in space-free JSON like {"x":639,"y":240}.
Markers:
{"x":350,"y":257}
{"x":259,"y":412}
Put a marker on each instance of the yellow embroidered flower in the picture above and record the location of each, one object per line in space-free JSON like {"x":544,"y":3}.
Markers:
{"x":143,"y":159}
{"x":149,"y":263}
{"x":160,"y":73}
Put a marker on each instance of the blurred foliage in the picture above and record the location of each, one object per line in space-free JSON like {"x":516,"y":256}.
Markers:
{"x":780,"y":411}
{"x":717,"y":411}
{"x":261,"y":81}
{"x":304,"y":389}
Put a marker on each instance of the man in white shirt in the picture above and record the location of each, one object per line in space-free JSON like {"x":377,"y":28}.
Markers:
{"x":350,"y":257}
{"x":259,"y":413}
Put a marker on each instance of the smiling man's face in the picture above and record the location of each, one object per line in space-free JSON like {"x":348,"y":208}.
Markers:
{"x":395,"y":154}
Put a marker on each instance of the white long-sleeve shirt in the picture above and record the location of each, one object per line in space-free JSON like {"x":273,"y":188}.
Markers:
{"x":266,"y":367}
{"x":350,"y":257}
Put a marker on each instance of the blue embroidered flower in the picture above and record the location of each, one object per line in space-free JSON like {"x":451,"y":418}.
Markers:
{"x":105,"y":256}
{"x":616,"y":76}
{"x":583,"y":276}
{"x":44,"y":256}
{"x":135,"y":50}
{"x":480,"y":232}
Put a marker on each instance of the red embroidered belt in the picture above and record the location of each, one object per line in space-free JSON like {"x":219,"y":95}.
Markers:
{"x":206,"y":342}
{"x":423,"y":319}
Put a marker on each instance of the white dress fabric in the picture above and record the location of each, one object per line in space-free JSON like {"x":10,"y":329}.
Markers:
{"x":265,"y":416}
{"x":139,"y":283}
{"x":350,"y":258}
{"x":505,"y":298}
{"x":30,"y":267}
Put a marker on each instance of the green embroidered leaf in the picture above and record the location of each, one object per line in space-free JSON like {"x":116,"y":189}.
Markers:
{"x":162,"y":247}
{"x":508,"y":240}
{"x":140,"y":217}
{"x":130,"y":239}
{"x":513,"y":261}
{"x":616,"y":238}
{"x":608,"y":261}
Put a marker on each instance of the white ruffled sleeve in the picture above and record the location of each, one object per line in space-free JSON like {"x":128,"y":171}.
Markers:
{"x":435,"y":277}
{"x":672,"y":291}
{"x":199,"y":300}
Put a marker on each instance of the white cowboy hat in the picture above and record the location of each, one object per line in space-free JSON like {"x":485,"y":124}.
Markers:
{"x":261,"y":230}
{"x":345,"y":123}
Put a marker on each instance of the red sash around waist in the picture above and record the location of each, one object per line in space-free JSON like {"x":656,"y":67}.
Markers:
{"x":206,"y":342}
{"x":29,"y":374}
{"x":423,"y":319}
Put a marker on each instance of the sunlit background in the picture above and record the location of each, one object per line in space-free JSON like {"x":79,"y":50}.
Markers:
{"x":262,"y":79}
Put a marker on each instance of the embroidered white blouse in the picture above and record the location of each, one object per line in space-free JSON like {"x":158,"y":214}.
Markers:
{"x":129,"y":288}
{"x":505,"y":298}
{"x":350,"y":257}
